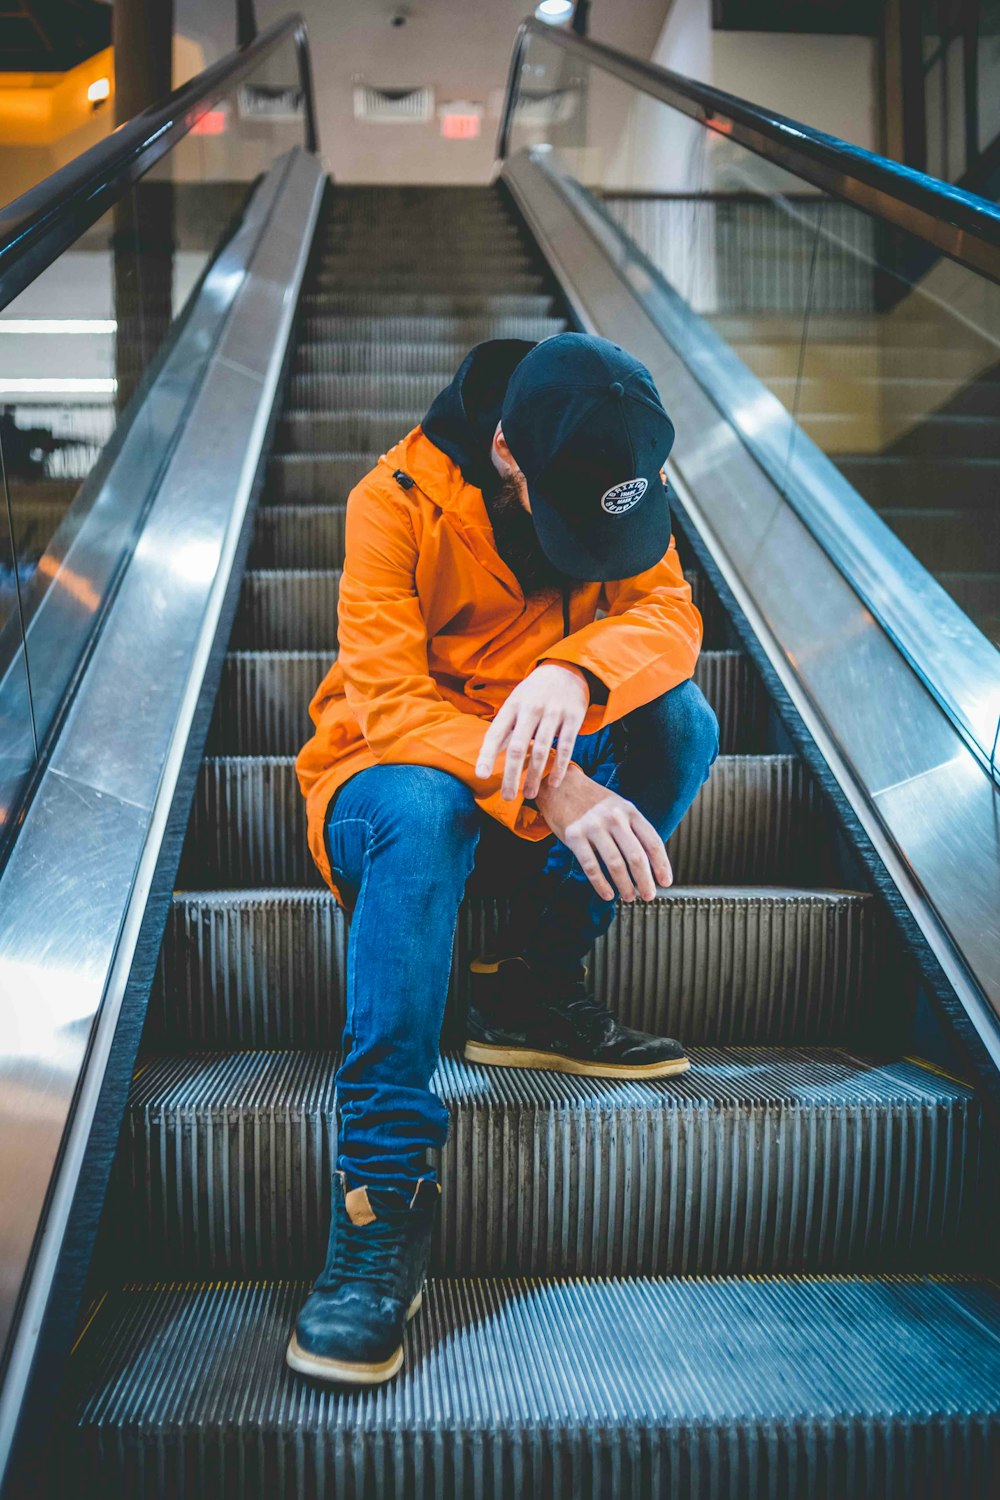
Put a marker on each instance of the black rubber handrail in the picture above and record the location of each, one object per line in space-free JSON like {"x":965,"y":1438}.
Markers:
{"x":962,"y":225}
{"x":37,"y":227}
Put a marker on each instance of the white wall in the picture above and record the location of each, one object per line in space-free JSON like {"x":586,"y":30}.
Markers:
{"x":668,"y":147}
{"x":829,"y":82}
{"x":461,"y":47}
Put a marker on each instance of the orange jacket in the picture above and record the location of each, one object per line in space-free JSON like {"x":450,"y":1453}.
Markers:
{"x":435,"y":632}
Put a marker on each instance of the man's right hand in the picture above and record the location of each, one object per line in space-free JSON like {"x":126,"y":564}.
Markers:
{"x":599,"y":825}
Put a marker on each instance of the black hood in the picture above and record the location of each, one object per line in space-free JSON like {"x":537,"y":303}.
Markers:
{"x":463,"y":418}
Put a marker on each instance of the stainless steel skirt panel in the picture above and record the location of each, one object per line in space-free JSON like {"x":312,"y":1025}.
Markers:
{"x":756,"y":1160}
{"x":875,"y":1388}
{"x":269,"y":968}
{"x":756,"y":821}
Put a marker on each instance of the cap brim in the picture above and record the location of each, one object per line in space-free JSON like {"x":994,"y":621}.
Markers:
{"x":611,"y":547}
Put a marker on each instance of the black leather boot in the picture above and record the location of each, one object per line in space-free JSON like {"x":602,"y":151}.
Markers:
{"x":519,"y":1019}
{"x":350,"y":1329}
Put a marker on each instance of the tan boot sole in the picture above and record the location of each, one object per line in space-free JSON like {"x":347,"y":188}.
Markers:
{"x":554,"y":1062}
{"x":343,"y":1372}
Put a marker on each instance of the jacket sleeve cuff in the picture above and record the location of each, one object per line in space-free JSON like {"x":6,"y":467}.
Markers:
{"x":517,"y":815}
{"x":627,"y":693}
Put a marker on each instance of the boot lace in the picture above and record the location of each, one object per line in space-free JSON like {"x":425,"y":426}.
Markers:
{"x":588,"y":1015}
{"x":369,"y":1254}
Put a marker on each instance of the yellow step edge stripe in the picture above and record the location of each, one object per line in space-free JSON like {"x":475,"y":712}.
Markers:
{"x":923,"y":1062}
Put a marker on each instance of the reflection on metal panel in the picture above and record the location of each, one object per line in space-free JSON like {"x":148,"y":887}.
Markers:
{"x":886,"y":738}
{"x":83,"y":861}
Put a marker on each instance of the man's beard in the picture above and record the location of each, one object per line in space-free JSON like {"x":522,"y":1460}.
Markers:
{"x":517,"y":543}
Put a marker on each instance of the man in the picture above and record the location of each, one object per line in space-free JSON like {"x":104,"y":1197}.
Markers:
{"x":477,"y":693}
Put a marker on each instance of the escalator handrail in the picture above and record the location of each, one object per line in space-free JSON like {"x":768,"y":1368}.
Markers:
{"x":37,"y":227}
{"x":961,"y":224}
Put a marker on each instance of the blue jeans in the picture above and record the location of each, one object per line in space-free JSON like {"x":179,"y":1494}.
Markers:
{"x":402,"y":842}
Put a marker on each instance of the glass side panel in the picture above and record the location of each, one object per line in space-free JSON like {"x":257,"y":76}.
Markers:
{"x":17,"y":742}
{"x":906,"y":402}
{"x":988,"y":75}
{"x":86,"y":419}
{"x":885,"y":354}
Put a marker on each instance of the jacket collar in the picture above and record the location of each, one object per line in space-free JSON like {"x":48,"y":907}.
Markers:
{"x":462,"y":418}
{"x":443,"y":484}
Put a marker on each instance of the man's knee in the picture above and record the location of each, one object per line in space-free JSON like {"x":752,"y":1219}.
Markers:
{"x":684,"y":723}
{"x":441,"y":810}
{"x":416,"y":811}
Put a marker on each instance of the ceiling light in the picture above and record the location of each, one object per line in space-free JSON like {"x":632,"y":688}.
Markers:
{"x":99,"y":90}
{"x":554,"y":12}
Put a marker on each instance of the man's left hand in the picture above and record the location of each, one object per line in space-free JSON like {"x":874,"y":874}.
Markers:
{"x":550,"y":703}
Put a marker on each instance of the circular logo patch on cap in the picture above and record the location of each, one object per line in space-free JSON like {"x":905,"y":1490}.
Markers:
{"x":623,"y":496}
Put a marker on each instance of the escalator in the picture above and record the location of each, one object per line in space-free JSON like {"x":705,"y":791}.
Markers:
{"x":771,"y":1276}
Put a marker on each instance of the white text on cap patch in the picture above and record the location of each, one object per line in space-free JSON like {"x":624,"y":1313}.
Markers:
{"x":623,"y":496}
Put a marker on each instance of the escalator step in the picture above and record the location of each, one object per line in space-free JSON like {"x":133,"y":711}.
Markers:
{"x":356,"y":277}
{"x":310,"y":534}
{"x":288,"y":609}
{"x":422,"y":259}
{"x":947,"y":538}
{"x":36,"y":520}
{"x":299,"y":536}
{"x":440,"y":359}
{"x":776,"y":1388}
{"x":428,"y":232}
{"x":443,"y":304}
{"x":305,"y":431}
{"x":757,"y":820}
{"x":931,"y":479}
{"x":264,"y":697}
{"x":471,"y":227}
{"x":375,"y":392}
{"x":977,"y":593}
{"x":295,"y":609}
{"x":315,"y":478}
{"x":947,"y":434}
{"x":755,"y":1160}
{"x":708,"y":964}
{"x":462,"y":328}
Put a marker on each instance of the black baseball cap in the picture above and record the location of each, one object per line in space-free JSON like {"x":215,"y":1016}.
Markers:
{"x":586,"y":427}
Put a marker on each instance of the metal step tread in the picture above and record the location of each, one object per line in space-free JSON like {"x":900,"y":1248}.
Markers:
{"x":371,"y":392}
{"x":756,"y":1159}
{"x":471,"y":328}
{"x":295,"y":1081}
{"x":424,"y":264}
{"x":295,"y":609}
{"x":360,"y":277}
{"x":732,"y":965}
{"x":264,"y":695}
{"x":756,"y":821}
{"x":385,"y":304}
{"x":883,"y":1386}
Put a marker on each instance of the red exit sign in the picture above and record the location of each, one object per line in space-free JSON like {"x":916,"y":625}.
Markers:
{"x":460,"y":127}
{"x":461,"y":119}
